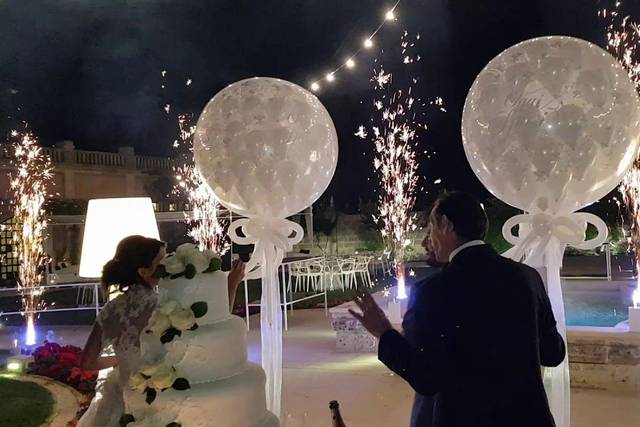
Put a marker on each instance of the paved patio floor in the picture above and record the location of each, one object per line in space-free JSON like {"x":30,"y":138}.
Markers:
{"x":369,"y":395}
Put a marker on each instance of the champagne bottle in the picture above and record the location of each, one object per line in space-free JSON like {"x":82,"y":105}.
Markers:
{"x":336,"y":418}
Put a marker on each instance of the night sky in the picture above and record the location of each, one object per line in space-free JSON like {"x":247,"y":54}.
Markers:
{"x":90,"y":71}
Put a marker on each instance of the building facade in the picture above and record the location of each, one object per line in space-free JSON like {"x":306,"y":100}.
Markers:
{"x":81,"y":175}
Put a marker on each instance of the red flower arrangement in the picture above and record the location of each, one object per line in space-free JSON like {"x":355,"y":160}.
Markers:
{"x":62,"y":363}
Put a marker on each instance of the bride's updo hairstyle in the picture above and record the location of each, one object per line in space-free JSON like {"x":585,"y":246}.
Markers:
{"x":132,"y":253}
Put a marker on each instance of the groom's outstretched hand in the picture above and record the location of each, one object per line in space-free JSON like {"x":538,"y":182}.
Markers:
{"x":372,"y":317}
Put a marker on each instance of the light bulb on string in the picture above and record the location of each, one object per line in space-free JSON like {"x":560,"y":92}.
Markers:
{"x":367,"y":43}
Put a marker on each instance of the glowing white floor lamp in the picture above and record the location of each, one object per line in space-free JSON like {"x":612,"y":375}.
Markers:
{"x":107,"y":222}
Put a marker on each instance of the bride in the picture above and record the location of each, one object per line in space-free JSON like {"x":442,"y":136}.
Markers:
{"x":120,"y":322}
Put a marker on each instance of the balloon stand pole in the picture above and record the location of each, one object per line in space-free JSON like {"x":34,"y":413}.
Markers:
{"x":541,"y":242}
{"x":557,"y":380}
{"x":272,"y":239}
{"x":271,"y":331}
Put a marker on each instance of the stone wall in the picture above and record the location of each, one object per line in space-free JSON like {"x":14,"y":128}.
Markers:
{"x":599,"y":358}
{"x":604,"y":358}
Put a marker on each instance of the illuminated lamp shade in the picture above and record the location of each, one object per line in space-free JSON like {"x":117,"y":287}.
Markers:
{"x":107,"y":222}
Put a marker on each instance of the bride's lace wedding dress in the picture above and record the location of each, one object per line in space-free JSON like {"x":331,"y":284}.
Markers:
{"x":122,"y":320}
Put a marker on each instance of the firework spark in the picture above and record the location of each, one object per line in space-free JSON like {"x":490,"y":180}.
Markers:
{"x":623,"y":38}
{"x":393,"y":136}
{"x":205,"y":226}
{"x":29,"y":192}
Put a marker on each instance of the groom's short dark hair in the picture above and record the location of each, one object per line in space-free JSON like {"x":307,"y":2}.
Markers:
{"x":465,"y":213}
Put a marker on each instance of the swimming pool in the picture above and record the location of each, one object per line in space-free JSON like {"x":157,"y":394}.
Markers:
{"x":596,"y":303}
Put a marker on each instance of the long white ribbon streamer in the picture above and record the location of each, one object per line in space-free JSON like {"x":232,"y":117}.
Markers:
{"x":272,"y":238}
{"x":541,"y":241}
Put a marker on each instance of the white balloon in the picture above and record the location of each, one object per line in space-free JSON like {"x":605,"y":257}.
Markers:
{"x":551,"y":124}
{"x":266,"y":147}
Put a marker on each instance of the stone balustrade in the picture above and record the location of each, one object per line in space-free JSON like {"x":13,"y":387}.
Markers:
{"x":66,"y":153}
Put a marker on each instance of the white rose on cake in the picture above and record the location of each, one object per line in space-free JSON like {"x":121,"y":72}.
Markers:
{"x":158,"y":322}
{"x":149,"y":369}
{"x":176,"y":350}
{"x":173,"y":264}
{"x":190,"y":254}
{"x":210,"y":254}
{"x":182,"y":319}
{"x":163,"y":378}
{"x":187,"y":255}
{"x":138,"y":382}
{"x":168,"y":307}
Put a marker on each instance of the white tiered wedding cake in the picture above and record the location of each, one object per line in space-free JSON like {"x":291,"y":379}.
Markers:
{"x":194,"y":370}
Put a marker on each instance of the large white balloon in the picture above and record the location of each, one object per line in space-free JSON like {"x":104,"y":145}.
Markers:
{"x":551,"y":124}
{"x":266,"y":147}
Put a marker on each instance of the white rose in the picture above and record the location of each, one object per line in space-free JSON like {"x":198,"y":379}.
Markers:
{"x":173,"y":264}
{"x":199,"y":261}
{"x":185,"y":250}
{"x":163,"y":378}
{"x":158,"y":323}
{"x":137,"y":382}
{"x":151,"y":368}
{"x":210,"y":254}
{"x":182,"y":319}
{"x":190,"y":254}
{"x":176,"y":351}
{"x":168,"y":307}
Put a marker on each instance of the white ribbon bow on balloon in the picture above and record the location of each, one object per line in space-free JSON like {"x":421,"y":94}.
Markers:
{"x":272,"y":237}
{"x":542,"y":228}
{"x":541,"y":241}
{"x":265,"y":233}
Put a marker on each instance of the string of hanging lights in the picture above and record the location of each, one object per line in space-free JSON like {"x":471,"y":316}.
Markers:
{"x":389,"y":16}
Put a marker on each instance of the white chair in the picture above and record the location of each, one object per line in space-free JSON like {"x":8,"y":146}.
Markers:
{"x":330,"y":273}
{"x":347,"y":273}
{"x":297,"y":274}
{"x":315,"y":273}
{"x":362,"y":269}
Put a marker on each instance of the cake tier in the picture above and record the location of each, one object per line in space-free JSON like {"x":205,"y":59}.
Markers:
{"x":211,"y":352}
{"x":210,"y":287}
{"x":238,"y":401}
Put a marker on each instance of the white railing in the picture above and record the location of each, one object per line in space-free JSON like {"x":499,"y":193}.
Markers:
{"x":56,"y":155}
{"x":90,"y":289}
{"x":97,"y":158}
{"x":148,"y":162}
{"x":606,"y":247}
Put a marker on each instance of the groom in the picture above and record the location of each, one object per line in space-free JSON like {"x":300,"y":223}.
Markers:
{"x":486,"y":327}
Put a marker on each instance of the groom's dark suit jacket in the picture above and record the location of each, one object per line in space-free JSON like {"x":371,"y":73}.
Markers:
{"x":422,"y":410}
{"x":487,"y":326}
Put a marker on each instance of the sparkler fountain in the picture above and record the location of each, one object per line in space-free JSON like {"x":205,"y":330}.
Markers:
{"x":205,"y":227}
{"x":394,"y":130}
{"x":623,"y":38}
{"x":29,"y":192}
